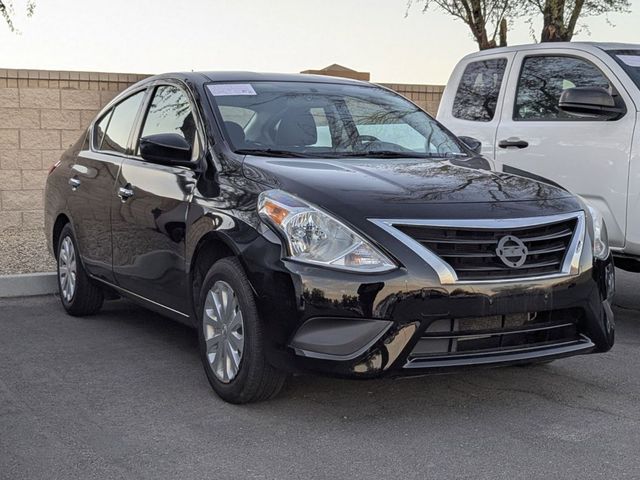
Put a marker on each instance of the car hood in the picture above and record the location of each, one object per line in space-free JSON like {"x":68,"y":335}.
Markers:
{"x":397,"y":186}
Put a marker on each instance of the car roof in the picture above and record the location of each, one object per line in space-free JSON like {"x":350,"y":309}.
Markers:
{"x":239,"y":76}
{"x":585,"y":46}
{"x":236,"y":76}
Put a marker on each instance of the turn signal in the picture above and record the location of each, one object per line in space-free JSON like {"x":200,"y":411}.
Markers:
{"x":277,"y":213}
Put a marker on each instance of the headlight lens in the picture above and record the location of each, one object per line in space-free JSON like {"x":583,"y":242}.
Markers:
{"x":316,"y":237}
{"x":600,"y":237}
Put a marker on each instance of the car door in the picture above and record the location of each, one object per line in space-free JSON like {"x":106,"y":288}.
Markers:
{"x":588,"y":156}
{"x":150,"y":209}
{"x":92,"y":178}
{"x":472,"y":100}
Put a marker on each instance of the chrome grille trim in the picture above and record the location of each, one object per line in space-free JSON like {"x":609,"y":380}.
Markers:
{"x":446,"y":273}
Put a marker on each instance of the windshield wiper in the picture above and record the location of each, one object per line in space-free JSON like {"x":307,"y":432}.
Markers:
{"x":273,"y":152}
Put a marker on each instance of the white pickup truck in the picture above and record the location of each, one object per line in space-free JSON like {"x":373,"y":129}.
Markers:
{"x":563,"y":112}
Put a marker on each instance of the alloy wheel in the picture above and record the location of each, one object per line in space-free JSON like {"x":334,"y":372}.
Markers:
{"x":223,"y":331}
{"x":67,"y":269}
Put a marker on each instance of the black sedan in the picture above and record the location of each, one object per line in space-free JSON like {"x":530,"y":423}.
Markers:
{"x":305,"y":223}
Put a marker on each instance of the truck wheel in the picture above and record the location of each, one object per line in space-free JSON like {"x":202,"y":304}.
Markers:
{"x":232,"y":345}
{"x":79,"y":295}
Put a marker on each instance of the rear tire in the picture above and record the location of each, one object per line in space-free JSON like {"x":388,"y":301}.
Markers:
{"x":232,"y":340}
{"x":79,"y":295}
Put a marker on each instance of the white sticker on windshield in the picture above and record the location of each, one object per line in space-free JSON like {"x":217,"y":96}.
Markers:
{"x":631,"y":60}
{"x":227,"y":89}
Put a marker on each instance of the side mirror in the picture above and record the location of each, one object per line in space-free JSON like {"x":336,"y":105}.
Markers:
{"x":166,"y":149}
{"x":590,"y":101}
{"x":473,"y":144}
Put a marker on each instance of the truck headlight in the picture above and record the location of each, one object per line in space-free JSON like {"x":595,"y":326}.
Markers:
{"x":600,"y":237}
{"x":316,"y":237}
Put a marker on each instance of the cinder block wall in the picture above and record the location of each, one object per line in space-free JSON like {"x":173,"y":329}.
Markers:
{"x":426,"y":96}
{"x":44,"y":112}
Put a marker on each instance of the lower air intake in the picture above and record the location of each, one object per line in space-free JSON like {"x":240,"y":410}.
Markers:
{"x":497,"y":334}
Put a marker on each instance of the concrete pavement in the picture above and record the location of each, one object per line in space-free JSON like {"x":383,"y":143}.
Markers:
{"x":123,"y":395}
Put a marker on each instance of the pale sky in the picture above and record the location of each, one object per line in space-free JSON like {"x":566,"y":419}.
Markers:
{"x":153,"y":36}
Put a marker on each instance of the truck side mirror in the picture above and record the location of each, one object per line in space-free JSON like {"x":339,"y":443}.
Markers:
{"x":473,"y":144}
{"x":590,"y":101}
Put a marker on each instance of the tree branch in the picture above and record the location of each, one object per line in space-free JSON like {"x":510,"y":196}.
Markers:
{"x":573,"y":20}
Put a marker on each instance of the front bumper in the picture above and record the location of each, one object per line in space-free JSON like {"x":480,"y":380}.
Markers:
{"x":344,"y":324}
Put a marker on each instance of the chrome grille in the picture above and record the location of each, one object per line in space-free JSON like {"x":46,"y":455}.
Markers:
{"x":472,"y":253}
{"x":468,"y":250}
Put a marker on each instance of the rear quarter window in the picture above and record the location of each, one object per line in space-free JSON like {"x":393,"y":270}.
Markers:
{"x":477,"y":95}
{"x":99,"y":129}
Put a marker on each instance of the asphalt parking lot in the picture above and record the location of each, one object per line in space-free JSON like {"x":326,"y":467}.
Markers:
{"x":123,"y":395}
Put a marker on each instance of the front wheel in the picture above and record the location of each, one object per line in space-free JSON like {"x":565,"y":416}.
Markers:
{"x":79,"y":295}
{"x":232,"y":344}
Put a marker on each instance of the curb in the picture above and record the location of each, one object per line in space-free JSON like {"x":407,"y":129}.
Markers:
{"x":28,"y":284}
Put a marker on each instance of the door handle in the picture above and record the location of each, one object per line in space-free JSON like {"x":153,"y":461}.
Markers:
{"x":125,"y":193}
{"x":75,"y":183}
{"x":513,"y":142}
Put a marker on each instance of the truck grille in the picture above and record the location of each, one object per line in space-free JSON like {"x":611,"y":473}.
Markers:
{"x":473,"y":252}
{"x":496,"y":334}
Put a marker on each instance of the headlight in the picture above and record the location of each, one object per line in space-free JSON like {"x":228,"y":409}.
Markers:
{"x":314,"y":236}
{"x":600,"y":237}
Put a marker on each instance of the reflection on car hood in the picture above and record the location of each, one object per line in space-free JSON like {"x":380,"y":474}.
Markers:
{"x":357,"y":189}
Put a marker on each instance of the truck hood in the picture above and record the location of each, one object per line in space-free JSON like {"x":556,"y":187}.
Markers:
{"x":398,"y":187}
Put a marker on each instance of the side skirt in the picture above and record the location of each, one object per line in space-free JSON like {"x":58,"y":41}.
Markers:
{"x":150,"y":304}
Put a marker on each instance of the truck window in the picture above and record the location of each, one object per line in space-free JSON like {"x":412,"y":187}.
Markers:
{"x":477,"y":94}
{"x":544,"y":78}
{"x":630,"y":61}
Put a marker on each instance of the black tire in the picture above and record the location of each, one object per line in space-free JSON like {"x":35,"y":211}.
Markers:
{"x":88,"y":297}
{"x":256,"y":380}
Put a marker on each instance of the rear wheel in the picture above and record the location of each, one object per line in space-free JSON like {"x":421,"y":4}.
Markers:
{"x":232,"y":345}
{"x":79,"y":295}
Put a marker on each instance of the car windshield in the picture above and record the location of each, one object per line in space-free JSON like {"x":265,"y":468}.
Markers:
{"x":330,"y":120}
{"x":630,"y":61}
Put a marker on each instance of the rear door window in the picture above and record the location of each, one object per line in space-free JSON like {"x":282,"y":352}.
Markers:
{"x":630,"y":61}
{"x":477,"y":95}
{"x":117,"y":132}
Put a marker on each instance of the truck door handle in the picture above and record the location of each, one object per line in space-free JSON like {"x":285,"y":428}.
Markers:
{"x":75,"y":183}
{"x":513,"y":142}
{"x":125,"y":193}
